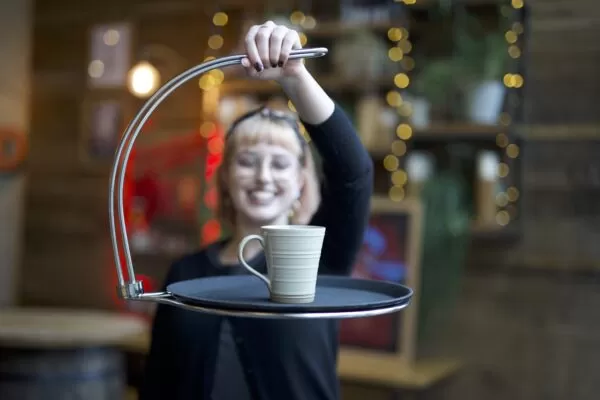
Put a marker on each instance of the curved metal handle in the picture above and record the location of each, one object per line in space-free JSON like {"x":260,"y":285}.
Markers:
{"x":133,"y":288}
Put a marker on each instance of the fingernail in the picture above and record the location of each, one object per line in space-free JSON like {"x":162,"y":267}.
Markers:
{"x":273,"y":65}
{"x":280,"y":64}
{"x":258,"y":67}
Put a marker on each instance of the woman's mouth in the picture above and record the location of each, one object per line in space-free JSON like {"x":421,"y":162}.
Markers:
{"x":261,"y":197}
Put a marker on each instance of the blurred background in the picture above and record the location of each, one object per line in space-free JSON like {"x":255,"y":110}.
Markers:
{"x":481,"y":119}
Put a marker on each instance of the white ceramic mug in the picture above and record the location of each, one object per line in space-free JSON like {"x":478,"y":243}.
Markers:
{"x":293,"y":253}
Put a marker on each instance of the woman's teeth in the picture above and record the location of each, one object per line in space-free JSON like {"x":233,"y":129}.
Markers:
{"x":261,"y":196}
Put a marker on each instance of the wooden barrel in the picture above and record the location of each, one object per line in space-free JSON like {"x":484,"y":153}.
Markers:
{"x":63,"y":354}
{"x":62,"y":374}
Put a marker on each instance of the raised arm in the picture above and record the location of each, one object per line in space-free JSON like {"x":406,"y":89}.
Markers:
{"x":268,"y":47}
{"x":346,"y":193}
{"x":347,"y":166}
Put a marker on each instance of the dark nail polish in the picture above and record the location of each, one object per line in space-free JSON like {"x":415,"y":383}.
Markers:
{"x":280,"y":64}
{"x":258,"y":67}
{"x":273,"y":65}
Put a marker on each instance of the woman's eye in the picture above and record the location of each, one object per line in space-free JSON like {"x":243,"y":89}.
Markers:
{"x":246,"y":161}
{"x":281,"y":163}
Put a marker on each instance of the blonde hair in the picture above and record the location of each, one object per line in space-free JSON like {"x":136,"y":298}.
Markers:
{"x":258,"y":128}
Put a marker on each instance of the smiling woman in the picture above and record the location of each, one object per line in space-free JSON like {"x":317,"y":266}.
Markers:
{"x":268,"y":173}
{"x":267,"y":177}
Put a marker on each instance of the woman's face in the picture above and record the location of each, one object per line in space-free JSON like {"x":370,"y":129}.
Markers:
{"x":264,"y":182}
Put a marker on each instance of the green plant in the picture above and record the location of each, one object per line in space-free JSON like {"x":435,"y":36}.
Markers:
{"x":483,"y":53}
{"x":482,"y":58}
{"x":496,"y":56}
{"x":436,"y":80}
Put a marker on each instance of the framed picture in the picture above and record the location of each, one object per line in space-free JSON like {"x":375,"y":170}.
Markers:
{"x":110,"y":55}
{"x":104,"y":120}
{"x":390,"y":251}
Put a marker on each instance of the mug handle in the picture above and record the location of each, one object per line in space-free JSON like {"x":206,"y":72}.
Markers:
{"x":243,"y":244}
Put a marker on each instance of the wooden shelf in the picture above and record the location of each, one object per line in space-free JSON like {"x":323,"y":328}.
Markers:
{"x":560,"y":132}
{"x":494,"y":231}
{"x":330,"y":29}
{"x":478,"y":227}
{"x":461,"y":130}
{"x":450,"y":131}
{"x":139,"y":344}
{"x":427,"y":4}
{"x":337,"y":28}
{"x":240,"y":85}
{"x":386,"y":370}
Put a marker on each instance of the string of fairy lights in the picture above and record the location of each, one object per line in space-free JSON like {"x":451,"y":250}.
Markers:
{"x":209,"y":83}
{"x":506,"y":200}
{"x":399,"y":51}
{"x":214,"y":43}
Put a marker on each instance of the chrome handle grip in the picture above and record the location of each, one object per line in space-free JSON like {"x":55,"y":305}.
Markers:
{"x":133,"y":288}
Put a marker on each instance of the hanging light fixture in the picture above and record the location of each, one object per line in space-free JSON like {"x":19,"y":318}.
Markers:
{"x":143,"y":79}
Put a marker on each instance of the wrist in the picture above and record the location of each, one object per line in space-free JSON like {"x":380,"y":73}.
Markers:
{"x":295,"y":77}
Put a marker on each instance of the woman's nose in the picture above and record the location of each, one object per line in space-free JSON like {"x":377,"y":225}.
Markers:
{"x":264,"y":173}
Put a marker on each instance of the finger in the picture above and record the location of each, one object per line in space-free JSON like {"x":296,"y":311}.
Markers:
{"x":251,"y":50}
{"x":250,"y":69}
{"x":262,"y":44}
{"x":290,"y":41}
{"x":275,"y":45}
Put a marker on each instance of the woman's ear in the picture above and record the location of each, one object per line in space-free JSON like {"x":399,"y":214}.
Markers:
{"x":301,"y":183}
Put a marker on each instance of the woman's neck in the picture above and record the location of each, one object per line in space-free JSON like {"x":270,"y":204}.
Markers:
{"x":229,"y":254}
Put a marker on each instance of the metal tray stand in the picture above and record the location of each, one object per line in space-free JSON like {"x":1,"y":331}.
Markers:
{"x":238,"y":295}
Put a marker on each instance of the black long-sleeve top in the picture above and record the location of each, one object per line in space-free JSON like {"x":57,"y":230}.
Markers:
{"x":280,"y":359}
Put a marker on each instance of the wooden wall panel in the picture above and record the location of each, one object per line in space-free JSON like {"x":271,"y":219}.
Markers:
{"x":559,"y":222}
{"x":48,"y":55}
{"x":562,"y":60}
{"x":68,"y":257}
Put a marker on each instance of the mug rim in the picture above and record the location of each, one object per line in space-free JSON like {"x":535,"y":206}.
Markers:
{"x":292,"y":227}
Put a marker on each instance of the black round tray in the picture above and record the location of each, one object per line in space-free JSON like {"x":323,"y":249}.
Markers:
{"x":334,"y":294}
